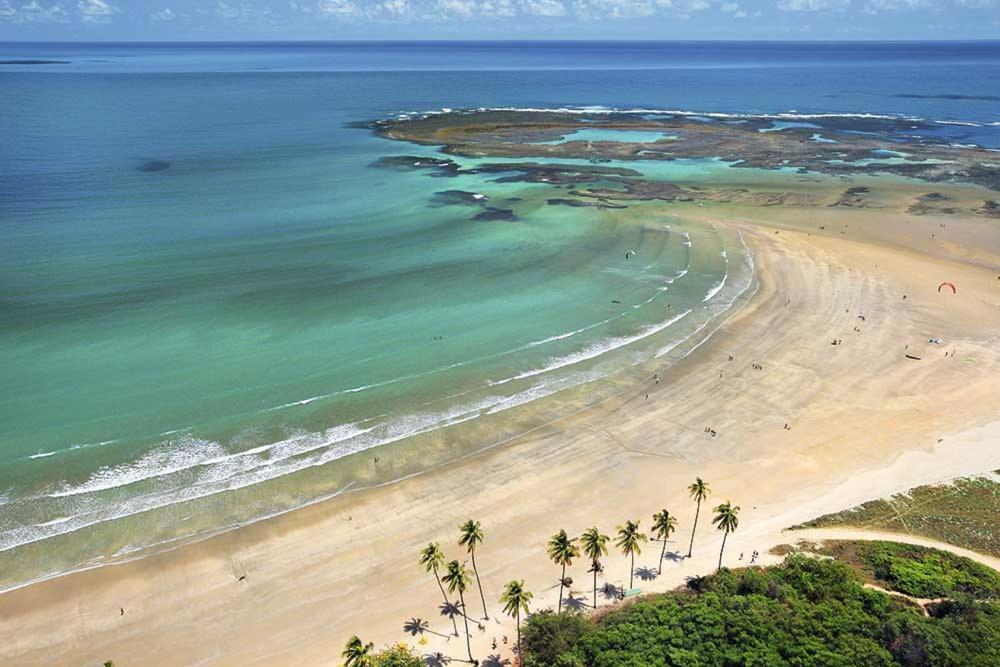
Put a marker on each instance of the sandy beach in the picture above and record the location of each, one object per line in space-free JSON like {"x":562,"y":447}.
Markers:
{"x":864,"y":421}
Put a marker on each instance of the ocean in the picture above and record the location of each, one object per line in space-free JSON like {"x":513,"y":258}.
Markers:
{"x":214,"y":309}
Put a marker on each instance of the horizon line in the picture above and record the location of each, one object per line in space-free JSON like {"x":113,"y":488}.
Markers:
{"x":507,"y":41}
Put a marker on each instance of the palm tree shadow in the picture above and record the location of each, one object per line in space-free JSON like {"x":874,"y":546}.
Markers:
{"x":436,"y":660}
{"x":451,"y":611}
{"x":645,"y":573}
{"x":673,"y":556}
{"x":575,"y":603}
{"x":495,"y":661}
{"x":610,"y":591}
{"x":418,"y":626}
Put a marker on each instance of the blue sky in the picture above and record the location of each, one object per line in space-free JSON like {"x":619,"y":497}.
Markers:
{"x":497,"y":19}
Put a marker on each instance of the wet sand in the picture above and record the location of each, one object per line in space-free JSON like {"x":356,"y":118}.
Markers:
{"x":864,"y":421}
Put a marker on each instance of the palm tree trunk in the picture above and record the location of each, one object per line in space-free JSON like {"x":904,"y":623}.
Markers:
{"x":468,"y":637}
{"x":724,"y":536}
{"x":697,"y":511}
{"x":663,"y":552}
{"x":480,"y":584}
{"x":454,"y":624}
{"x":518,"y":614}
{"x":561,"y":580}
{"x":631,"y":571}
{"x":595,"y":584}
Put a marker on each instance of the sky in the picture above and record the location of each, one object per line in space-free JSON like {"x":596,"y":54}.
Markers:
{"x":235,"y":20}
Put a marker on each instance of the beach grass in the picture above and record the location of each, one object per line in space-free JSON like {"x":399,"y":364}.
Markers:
{"x":963,"y":512}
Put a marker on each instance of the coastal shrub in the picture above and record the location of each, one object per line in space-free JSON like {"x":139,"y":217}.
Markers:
{"x":547,"y":636}
{"x":807,"y":611}
{"x":399,"y":655}
{"x":920,"y":571}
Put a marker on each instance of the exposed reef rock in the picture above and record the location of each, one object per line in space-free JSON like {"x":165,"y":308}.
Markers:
{"x":852,"y":144}
{"x":989,"y":208}
{"x":931,"y":203}
{"x":559,"y":201}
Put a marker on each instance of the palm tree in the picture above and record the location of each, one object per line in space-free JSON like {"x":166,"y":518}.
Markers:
{"x":357,"y":654}
{"x":727,"y":518}
{"x":514,"y":599}
{"x":698,"y":491}
{"x":432,"y":558}
{"x":663,"y":525}
{"x":458,"y":581}
{"x":562,"y":550}
{"x":629,"y":539}
{"x":595,"y":545}
{"x":472,"y":535}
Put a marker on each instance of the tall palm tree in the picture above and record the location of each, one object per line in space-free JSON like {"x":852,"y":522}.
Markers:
{"x":727,"y":518}
{"x":663,"y":525}
{"x":562,"y":550}
{"x":698,"y":491}
{"x":432,"y":558}
{"x":472,"y":536}
{"x":629,"y":540}
{"x":358,"y":654}
{"x":457,"y":579}
{"x":514,"y":599}
{"x":595,"y":545}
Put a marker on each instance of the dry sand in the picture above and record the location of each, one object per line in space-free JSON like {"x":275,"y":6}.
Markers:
{"x":865,"y":422}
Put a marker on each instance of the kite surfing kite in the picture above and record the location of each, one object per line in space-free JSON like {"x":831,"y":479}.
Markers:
{"x":951,"y":285}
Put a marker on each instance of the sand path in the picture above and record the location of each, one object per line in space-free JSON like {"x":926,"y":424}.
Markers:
{"x":865,"y":422}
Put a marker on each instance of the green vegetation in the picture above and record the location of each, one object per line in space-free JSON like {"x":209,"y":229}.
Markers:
{"x":807,"y":611}
{"x":359,"y":654}
{"x":963,"y":513}
{"x":914,"y":570}
{"x":399,"y":655}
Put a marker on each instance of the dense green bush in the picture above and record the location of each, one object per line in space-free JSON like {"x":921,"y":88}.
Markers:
{"x":927,"y":573}
{"x":807,"y":611}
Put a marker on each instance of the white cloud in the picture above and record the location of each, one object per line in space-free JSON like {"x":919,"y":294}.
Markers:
{"x":875,"y":6}
{"x":393,"y":8}
{"x":95,"y":11}
{"x":543,"y":7}
{"x":226,"y":11}
{"x":734,"y":9}
{"x":164,"y":15}
{"x":461,"y":8}
{"x":811,"y":5}
{"x":33,"y":12}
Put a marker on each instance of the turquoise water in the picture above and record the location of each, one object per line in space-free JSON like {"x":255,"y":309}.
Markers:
{"x":621,"y":136}
{"x":214,"y":309}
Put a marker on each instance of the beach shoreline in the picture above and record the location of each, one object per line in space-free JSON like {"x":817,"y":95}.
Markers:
{"x":863,"y":425}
